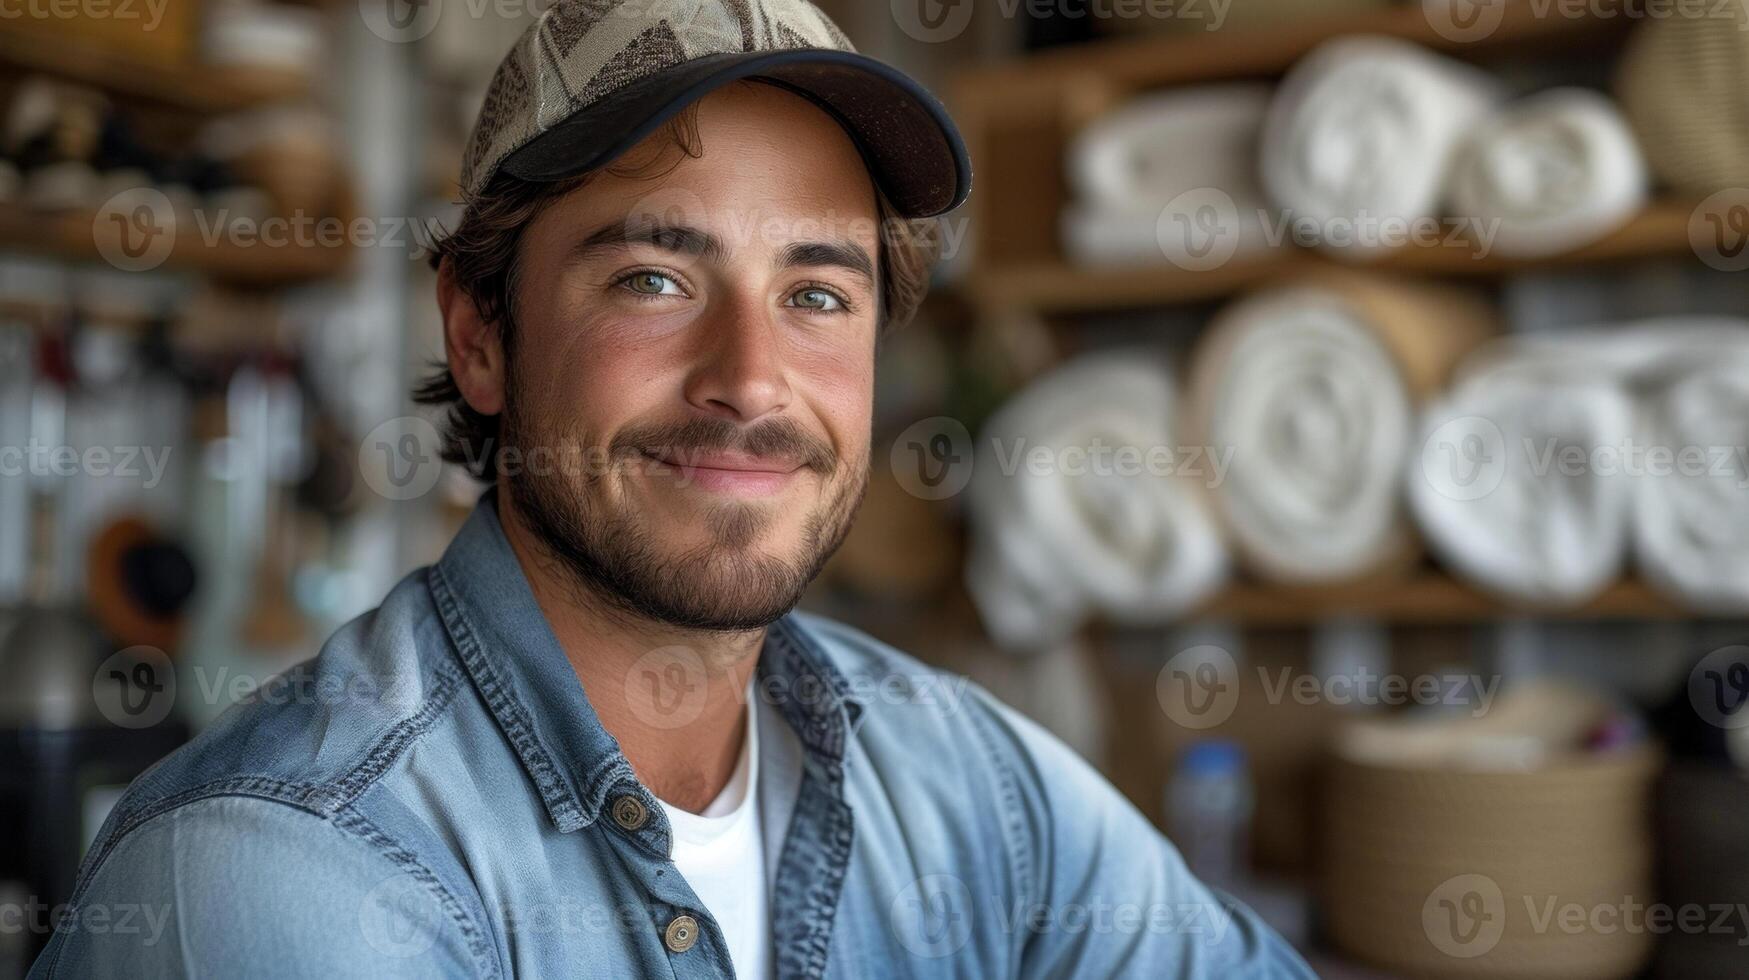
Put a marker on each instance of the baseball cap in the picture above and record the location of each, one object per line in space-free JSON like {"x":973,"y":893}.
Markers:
{"x":590,"y":78}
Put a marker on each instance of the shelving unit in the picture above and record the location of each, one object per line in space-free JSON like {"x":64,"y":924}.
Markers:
{"x":186,"y":93}
{"x":1024,"y":115}
{"x":1207,"y":56}
{"x":1424,"y":599}
{"x":74,"y":236}
{"x":1053,"y":286}
{"x":1018,"y":120}
{"x":205,"y":90}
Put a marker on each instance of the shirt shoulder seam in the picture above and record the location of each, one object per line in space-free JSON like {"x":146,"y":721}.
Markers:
{"x":1008,"y":784}
{"x":344,"y":818}
{"x":322,"y":799}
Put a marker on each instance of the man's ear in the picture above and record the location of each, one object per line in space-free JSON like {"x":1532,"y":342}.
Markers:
{"x":474,"y":348}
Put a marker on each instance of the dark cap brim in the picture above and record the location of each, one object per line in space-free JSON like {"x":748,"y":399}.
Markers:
{"x":905,"y":135}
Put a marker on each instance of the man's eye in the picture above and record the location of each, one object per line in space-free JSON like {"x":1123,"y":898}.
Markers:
{"x":818,"y":299}
{"x":651,"y":284}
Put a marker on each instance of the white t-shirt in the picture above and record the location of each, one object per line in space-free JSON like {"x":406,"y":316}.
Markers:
{"x":721,"y":854}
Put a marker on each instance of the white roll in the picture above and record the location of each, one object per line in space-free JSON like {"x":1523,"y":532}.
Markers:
{"x":1201,"y":230}
{"x":1311,"y":389}
{"x":1316,"y":415}
{"x":1156,"y":147}
{"x":1097,"y":236}
{"x":1691,"y":502}
{"x":1507,"y":488}
{"x":1080,"y":504}
{"x":1018,"y":590}
{"x":1360,"y":135}
{"x":1194,"y":149}
{"x":1550,"y":174}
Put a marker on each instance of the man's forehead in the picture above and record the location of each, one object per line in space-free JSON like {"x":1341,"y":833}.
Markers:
{"x":750,"y":221}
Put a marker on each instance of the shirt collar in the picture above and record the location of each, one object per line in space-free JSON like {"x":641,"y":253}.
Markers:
{"x":525,"y":680}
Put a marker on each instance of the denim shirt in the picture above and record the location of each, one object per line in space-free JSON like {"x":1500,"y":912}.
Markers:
{"x":433,"y":796}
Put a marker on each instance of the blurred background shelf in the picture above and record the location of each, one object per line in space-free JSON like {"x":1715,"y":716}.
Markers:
{"x":1426,"y":599}
{"x":1246,"y":51}
{"x":204,"y":89}
{"x":1024,"y":112}
{"x":1054,"y":286}
{"x":73,"y":236}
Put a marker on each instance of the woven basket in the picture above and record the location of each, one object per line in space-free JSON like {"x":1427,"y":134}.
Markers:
{"x":1445,"y":873}
{"x":1684,"y":84}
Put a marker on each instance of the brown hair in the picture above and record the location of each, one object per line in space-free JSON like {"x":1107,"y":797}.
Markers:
{"x":483,"y":256}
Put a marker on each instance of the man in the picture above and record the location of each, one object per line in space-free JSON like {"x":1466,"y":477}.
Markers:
{"x":593,"y":740}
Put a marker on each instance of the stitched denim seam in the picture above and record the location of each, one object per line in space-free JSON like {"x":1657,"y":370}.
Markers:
{"x":394,"y":742}
{"x":294,"y":795}
{"x":316,"y":798}
{"x":814,"y":723}
{"x":841,"y":831}
{"x":260,"y":787}
{"x":518,"y":727}
{"x":823,"y":824}
{"x":1008,"y":782}
{"x":349,"y":819}
{"x":255,"y":787}
{"x":320,"y":800}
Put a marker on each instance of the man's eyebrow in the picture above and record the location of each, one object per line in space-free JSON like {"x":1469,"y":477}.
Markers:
{"x":845,"y":255}
{"x":697,"y":243}
{"x":681,"y":239}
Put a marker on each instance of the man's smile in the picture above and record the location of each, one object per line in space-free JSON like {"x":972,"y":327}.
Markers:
{"x":728,"y":472}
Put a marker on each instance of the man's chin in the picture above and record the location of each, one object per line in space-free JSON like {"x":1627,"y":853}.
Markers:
{"x":726,"y":595}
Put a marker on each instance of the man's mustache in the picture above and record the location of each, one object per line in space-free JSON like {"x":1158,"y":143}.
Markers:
{"x":780,"y":439}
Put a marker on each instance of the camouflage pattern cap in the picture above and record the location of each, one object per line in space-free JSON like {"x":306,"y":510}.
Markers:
{"x":590,"y":78}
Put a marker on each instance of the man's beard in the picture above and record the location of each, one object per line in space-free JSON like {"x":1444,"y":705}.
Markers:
{"x":720,"y":585}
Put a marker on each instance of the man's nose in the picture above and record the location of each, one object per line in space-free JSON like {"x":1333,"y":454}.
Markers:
{"x":739,"y":372}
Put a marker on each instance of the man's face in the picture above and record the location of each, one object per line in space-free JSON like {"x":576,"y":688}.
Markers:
{"x":690,"y":382}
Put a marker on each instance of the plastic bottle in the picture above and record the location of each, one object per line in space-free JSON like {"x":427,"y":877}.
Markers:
{"x":1208,"y":811}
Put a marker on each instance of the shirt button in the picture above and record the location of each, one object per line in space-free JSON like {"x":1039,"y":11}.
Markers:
{"x":681,"y":933}
{"x":629,"y":812}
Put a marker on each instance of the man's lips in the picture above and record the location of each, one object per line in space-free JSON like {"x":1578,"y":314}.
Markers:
{"x":730,"y":472}
{"x":738,"y":462}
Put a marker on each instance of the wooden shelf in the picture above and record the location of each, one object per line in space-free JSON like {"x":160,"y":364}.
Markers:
{"x":195,"y":88}
{"x":1019,"y":117}
{"x":1204,"y":56}
{"x":73,"y":236}
{"x":1428,"y":598}
{"x":1057,"y":287}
